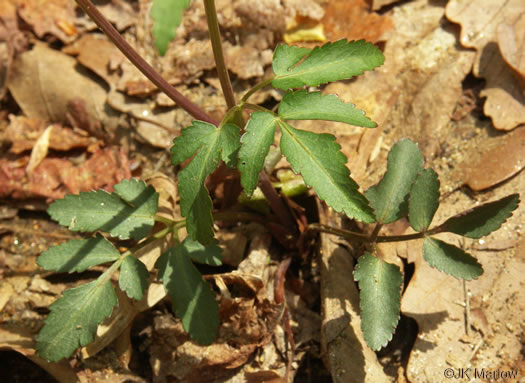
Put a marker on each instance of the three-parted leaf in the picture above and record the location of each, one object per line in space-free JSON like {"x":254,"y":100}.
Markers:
{"x":193,"y":300}
{"x":322,"y":165}
{"x":126,"y":213}
{"x":74,"y":319}
{"x":482,"y":220}
{"x":389,"y":197}
{"x":167,"y":15}
{"x":450,"y":259}
{"x":331,"y":62}
{"x":304,"y":105}
{"x":380,"y":299}
{"x":255,"y":144}
{"x":133,"y":277}
{"x":78,"y":255}
{"x":286,"y":56}
{"x":424,"y":200}
{"x":210,"y":144}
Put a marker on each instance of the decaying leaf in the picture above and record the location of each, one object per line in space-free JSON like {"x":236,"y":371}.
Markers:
{"x":511,"y":41}
{"x":22,"y":133}
{"x":502,"y":158}
{"x":44,"y":81}
{"x":479,"y":22}
{"x":20,"y":339}
{"x":54,"y":177}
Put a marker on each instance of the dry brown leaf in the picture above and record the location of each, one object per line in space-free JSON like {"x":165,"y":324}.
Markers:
{"x":22,"y":133}
{"x":501,"y":158}
{"x":55,"y":177}
{"x":55,"y":17}
{"x":20,"y":339}
{"x":479,"y":22}
{"x":39,"y":151}
{"x":97,"y":53}
{"x":44,"y":81}
{"x":352,"y":19}
{"x":511,"y":41}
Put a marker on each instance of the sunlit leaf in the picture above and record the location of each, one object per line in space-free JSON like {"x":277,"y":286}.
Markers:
{"x":78,"y":255}
{"x":167,"y":15}
{"x":482,"y":220}
{"x":389,"y":197}
{"x":255,"y":144}
{"x":210,"y":145}
{"x":380,"y":299}
{"x":331,"y":62}
{"x":304,"y":105}
{"x":424,"y":200}
{"x":451,"y":259}
{"x":74,"y":319}
{"x":127,"y":213}
{"x":319,"y":160}
{"x":133,"y":277}
{"x":286,"y":56}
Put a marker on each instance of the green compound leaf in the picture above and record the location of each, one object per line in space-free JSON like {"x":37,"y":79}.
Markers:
{"x":133,"y":277}
{"x":209,"y":255}
{"x":304,"y":105}
{"x":78,"y":255}
{"x":74,"y":319}
{"x":126,"y":213}
{"x":482,"y":220}
{"x":322,"y":165}
{"x":380,"y":299}
{"x":199,"y":221}
{"x":424,"y":200}
{"x":389,"y":197}
{"x":286,"y":56}
{"x":255,"y":145}
{"x":193,"y":300}
{"x":167,"y":15}
{"x":450,"y":259}
{"x":211,"y":144}
{"x":330,"y":62}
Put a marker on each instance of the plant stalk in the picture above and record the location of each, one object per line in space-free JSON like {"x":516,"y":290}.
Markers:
{"x":141,"y":64}
{"x":363,"y":238}
{"x":216,"y":44}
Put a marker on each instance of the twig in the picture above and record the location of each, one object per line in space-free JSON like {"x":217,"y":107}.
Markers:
{"x":141,"y":64}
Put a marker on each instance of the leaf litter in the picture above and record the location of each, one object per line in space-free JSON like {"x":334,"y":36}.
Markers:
{"x":423,"y":54}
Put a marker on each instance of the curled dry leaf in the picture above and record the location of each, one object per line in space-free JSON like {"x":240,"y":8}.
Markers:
{"x":39,"y":151}
{"x":479,"y":22}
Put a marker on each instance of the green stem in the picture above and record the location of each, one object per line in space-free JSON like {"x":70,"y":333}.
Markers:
{"x":141,"y":64}
{"x":255,"y":107}
{"x":215,"y":37}
{"x":260,"y":85}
